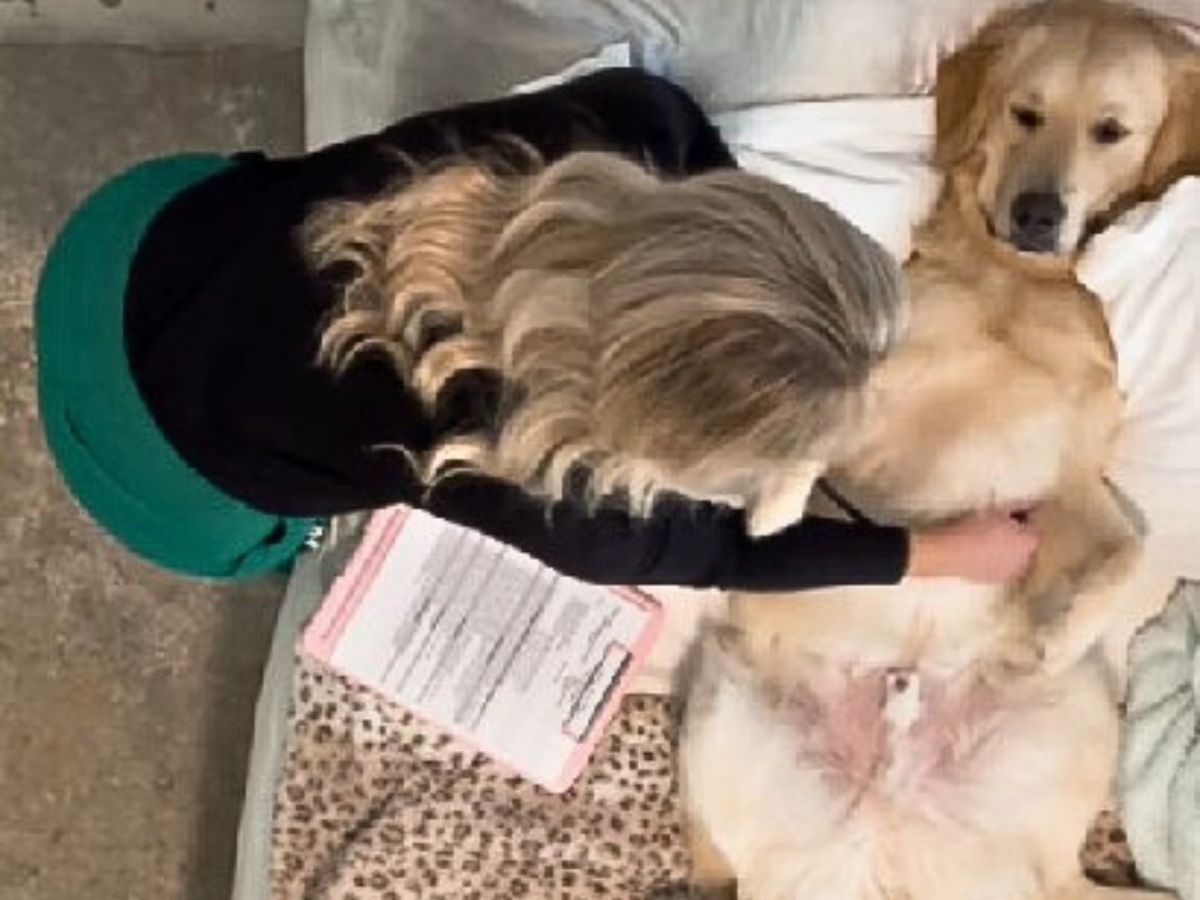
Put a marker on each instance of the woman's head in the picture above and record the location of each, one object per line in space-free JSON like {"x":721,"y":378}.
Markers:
{"x":702,"y":334}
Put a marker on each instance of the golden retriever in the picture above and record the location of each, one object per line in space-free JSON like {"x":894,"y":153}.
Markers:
{"x":865,"y":743}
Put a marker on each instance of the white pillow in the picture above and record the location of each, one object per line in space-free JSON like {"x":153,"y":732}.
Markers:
{"x":1146,"y":270}
{"x":866,"y":158}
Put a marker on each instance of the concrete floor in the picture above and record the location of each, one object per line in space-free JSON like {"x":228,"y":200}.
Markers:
{"x":209,"y":23}
{"x":126,"y":695}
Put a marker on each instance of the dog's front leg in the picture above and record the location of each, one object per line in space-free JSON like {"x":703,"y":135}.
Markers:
{"x":1089,"y":542}
{"x":713,"y":662}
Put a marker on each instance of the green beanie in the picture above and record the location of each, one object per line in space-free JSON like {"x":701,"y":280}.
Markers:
{"x":111,"y":453}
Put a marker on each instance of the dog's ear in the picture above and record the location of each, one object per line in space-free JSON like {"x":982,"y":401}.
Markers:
{"x":967,"y":81}
{"x":961,"y":117}
{"x":1176,"y":149}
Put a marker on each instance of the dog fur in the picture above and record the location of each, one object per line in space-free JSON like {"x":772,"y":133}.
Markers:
{"x":937,"y":739}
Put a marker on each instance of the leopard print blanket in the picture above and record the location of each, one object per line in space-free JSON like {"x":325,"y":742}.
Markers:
{"x":374,"y":805}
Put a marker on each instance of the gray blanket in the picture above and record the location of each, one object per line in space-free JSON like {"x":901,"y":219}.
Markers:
{"x":1160,"y":757}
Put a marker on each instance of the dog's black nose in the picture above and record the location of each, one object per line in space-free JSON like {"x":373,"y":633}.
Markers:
{"x":1036,"y":219}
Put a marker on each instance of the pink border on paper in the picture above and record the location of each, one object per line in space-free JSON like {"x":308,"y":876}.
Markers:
{"x":325,"y":631}
{"x":638,"y":655}
{"x":328,"y":625}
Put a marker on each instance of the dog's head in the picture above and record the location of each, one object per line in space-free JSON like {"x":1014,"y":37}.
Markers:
{"x":1058,"y":115}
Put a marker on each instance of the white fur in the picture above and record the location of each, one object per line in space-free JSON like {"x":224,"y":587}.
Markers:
{"x":758,"y":782}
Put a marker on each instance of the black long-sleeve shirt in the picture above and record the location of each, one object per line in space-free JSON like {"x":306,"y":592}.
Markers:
{"x":222,"y":321}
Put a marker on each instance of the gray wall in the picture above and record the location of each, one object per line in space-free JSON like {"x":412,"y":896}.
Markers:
{"x":274,"y":23}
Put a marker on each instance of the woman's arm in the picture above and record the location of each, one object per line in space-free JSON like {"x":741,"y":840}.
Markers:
{"x":701,"y":545}
{"x":705,"y":545}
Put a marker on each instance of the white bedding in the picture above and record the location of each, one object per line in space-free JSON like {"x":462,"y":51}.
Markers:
{"x":1146,"y":269}
{"x":867,"y":158}
{"x":370,"y":62}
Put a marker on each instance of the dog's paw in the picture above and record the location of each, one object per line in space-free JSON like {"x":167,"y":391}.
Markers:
{"x":1016,"y":660}
{"x":1060,"y":648}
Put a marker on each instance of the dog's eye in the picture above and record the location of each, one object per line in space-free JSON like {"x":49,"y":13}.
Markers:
{"x":1027,"y":118}
{"x":1108,"y":131}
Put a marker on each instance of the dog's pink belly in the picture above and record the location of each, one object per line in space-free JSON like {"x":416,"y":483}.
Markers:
{"x":892,"y":732}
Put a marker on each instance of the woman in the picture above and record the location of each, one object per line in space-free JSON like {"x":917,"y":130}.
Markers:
{"x":180,"y":321}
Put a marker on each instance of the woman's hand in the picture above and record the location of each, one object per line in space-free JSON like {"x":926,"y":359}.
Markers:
{"x":991,"y":548}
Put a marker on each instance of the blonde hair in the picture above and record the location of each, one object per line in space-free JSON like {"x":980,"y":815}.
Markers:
{"x":658,"y":333}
